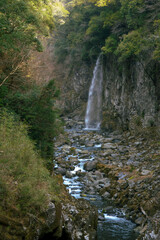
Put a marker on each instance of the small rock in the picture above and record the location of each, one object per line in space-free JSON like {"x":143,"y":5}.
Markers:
{"x":99,"y":175}
{"x":145,"y":172}
{"x":106,"y":195}
{"x":106,"y":153}
{"x":138,"y":143}
{"x":69,"y":174}
{"x":108,"y":146}
{"x":139,"y":220}
{"x":101,"y":217}
{"x":106,"y":140}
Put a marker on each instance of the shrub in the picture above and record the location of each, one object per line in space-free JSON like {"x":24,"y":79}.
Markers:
{"x":110,"y":45}
{"x":132,"y":45}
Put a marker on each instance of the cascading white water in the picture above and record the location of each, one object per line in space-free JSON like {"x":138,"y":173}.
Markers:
{"x":94,"y":105}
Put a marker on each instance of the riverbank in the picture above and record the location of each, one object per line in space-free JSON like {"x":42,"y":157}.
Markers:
{"x":67,"y":218}
{"x":123,"y":168}
{"x":34,"y":205}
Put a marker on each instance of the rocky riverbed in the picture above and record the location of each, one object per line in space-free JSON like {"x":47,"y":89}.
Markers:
{"x":120,"y":168}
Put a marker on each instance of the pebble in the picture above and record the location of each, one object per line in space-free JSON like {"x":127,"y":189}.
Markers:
{"x":145,"y":172}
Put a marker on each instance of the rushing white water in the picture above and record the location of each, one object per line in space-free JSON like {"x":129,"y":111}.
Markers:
{"x":94,"y":105}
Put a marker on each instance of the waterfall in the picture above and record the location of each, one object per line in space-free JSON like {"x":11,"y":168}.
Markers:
{"x":94,"y":105}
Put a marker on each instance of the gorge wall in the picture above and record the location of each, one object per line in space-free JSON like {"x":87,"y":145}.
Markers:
{"x":131,"y":93}
{"x":131,"y":90}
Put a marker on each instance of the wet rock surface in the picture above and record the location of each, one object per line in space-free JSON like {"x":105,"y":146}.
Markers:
{"x":120,"y":168}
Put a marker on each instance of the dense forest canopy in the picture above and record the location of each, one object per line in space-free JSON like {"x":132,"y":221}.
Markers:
{"x":126,"y":28}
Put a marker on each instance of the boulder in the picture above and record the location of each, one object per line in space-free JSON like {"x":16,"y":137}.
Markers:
{"x":61,"y":171}
{"x":69,"y":174}
{"x":90,"y":166}
{"x":106,"y":195}
{"x":108,"y":146}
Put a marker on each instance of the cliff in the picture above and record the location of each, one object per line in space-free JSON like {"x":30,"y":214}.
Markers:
{"x":131,"y":93}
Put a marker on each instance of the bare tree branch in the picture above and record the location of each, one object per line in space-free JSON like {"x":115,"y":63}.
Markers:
{"x":14,"y":70}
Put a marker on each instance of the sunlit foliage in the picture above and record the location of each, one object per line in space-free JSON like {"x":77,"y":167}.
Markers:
{"x":124,"y":27}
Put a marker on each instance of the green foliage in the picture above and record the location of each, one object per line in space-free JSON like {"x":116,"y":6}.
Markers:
{"x":103,"y":3}
{"x":132,"y":44}
{"x":131,"y":10}
{"x":95,"y":25}
{"x":25,"y":182}
{"x":21,"y":21}
{"x":110,"y":44}
{"x":156,"y":40}
{"x":71,"y":37}
{"x":3,"y":94}
{"x":111,"y":17}
{"x":126,"y":28}
{"x":36,"y":108}
{"x":23,"y":24}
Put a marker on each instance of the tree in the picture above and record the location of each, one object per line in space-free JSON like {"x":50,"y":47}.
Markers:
{"x":36,"y":108}
{"x":22,"y":24}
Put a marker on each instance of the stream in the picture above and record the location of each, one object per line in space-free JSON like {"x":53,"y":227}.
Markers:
{"x":84,"y":148}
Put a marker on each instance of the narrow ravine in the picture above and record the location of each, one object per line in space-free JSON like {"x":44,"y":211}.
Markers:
{"x":76,"y":160}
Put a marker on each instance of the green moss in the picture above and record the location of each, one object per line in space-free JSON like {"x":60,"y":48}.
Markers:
{"x":132,"y":177}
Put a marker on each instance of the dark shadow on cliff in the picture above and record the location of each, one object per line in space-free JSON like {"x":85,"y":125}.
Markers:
{"x":51,"y":236}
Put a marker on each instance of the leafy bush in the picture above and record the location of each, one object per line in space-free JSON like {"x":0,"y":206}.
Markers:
{"x":25,"y":182}
{"x":132,"y":44}
{"x":110,"y":45}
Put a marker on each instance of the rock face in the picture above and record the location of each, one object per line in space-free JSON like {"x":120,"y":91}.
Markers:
{"x":131,"y":93}
{"x":74,"y":86}
{"x":67,"y":219}
{"x":80,"y":220}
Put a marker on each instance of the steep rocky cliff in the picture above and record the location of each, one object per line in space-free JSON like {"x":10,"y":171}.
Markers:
{"x":74,"y":89}
{"x":130,"y":93}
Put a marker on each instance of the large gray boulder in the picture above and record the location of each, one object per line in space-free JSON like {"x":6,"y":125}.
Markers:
{"x":90,"y":166}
